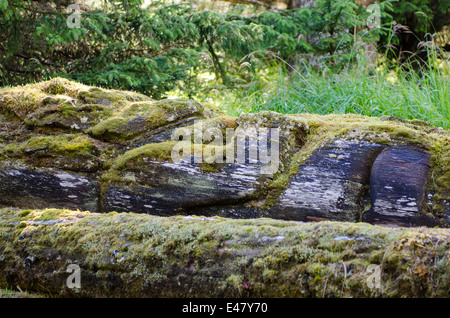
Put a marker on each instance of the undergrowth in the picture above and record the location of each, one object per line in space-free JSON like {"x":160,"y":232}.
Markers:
{"x":370,"y":90}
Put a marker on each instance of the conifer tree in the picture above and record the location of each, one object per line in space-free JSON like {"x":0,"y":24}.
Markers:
{"x":120,"y":45}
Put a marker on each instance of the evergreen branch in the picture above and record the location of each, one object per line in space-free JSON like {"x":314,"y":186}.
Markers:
{"x":39,"y":11}
{"x":37,"y":58}
{"x":256,"y":2}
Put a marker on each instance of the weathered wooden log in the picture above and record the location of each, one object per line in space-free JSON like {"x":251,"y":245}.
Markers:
{"x":331,"y":183}
{"x":68,"y":145}
{"x":139,"y":255}
{"x":165,"y":188}
{"x":25,"y":186}
{"x":397,"y":188}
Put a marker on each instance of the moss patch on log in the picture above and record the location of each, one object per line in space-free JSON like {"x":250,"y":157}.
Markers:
{"x":61,"y":103}
{"x":134,"y":255}
{"x":159,"y":152}
{"x":69,"y":144}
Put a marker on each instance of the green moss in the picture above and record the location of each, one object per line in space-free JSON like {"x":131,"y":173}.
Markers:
{"x":79,"y":145}
{"x":422,"y":123}
{"x":20,"y":101}
{"x":210,"y":167}
{"x":235,"y":282}
{"x":110,"y":175}
{"x":22,"y":225}
{"x":109,"y":125}
{"x":45,"y":101}
{"x":159,"y":112}
{"x":159,"y":151}
{"x":68,"y":98}
{"x":178,"y":105}
{"x":56,"y":86}
{"x":276,"y":188}
{"x":68,"y":110}
{"x":306,"y":261}
{"x":439,"y":183}
{"x":24,"y":100}
{"x":24,"y":213}
{"x":51,"y":214}
{"x":227,"y":121}
{"x":97,"y":95}
{"x":128,"y":121}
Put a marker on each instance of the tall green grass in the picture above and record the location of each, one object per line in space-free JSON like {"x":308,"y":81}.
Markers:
{"x":405,"y":94}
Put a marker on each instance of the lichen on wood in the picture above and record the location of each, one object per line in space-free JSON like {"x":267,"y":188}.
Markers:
{"x":138,"y":255}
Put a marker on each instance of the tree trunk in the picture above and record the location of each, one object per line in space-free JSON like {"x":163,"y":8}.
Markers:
{"x":218,"y":68}
{"x":133,"y":255}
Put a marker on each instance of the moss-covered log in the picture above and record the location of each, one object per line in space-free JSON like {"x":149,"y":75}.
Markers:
{"x":139,"y":255}
{"x":72,"y":146}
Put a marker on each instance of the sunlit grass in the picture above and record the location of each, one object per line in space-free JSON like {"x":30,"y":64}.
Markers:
{"x":382,"y":92}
